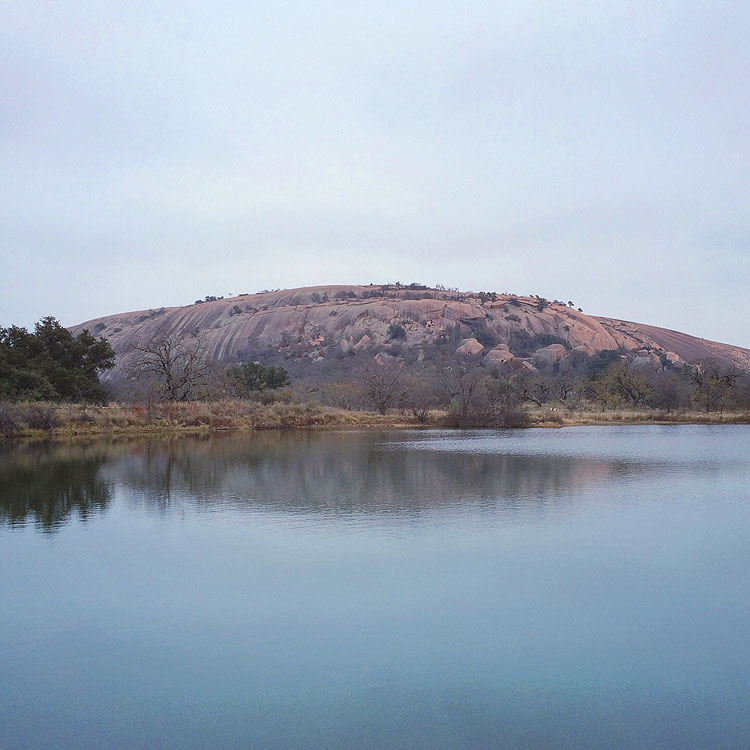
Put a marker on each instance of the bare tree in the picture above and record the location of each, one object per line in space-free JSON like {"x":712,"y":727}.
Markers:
{"x":479,"y":400}
{"x":712,"y":383}
{"x":668,"y":390}
{"x":462,"y":386}
{"x":383,"y":384}
{"x":532,"y":388}
{"x":174,"y":363}
{"x":421,"y":393}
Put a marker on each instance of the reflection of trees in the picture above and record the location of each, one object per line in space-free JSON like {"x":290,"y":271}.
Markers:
{"x":326,"y":473}
{"x":48,"y":483}
{"x":341,"y":472}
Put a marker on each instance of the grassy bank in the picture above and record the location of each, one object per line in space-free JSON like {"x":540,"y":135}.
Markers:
{"x":541,"y":417}
{"x":70,"y":420}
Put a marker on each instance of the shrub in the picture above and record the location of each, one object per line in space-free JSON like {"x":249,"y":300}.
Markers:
{"x":494,"y":404}
{"x":485,"y":337}
{"x":396,"y":332}
{"x":602,"y":360}
{"x":41,"y":417}
{"x":10,"y":424}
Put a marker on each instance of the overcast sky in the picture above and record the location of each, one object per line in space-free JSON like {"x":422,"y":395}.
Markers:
{"x":156,"y":152}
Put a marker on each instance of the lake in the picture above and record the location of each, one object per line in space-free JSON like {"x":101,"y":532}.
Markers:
{"x":583,"y":587}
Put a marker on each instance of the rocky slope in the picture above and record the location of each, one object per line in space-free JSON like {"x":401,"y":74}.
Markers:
{"x":332,"y":321}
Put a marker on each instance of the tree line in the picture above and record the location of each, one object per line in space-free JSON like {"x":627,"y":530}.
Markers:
{"x":472,"y":395}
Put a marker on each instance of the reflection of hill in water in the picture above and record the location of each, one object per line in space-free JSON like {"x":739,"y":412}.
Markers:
{"x":342,"y":472}
{"x":48,"y":483}
{"x":330,"y":473}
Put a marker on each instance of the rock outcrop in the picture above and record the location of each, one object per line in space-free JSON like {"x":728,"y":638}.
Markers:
{"x":336,"y":321}
{"x":470,"y":347}
{"x":498,"y":356}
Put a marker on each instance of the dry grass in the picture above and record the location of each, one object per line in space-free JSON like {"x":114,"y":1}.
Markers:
{"x":567,"y":418}
{"x":35,"y":420}
{"x":70,"y":420}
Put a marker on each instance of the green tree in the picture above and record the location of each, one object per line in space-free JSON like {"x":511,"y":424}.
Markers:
{"x":52,"y":364}
{"x":253,"y":377}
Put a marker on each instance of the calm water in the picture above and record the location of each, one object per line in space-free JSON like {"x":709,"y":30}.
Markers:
{"x":573,"y":588}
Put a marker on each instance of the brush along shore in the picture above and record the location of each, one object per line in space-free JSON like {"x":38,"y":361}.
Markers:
{"x":70,"y":420}
{"x":61,"y":420}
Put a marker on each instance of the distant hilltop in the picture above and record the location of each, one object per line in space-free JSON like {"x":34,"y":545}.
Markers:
{"x":314,"y":324}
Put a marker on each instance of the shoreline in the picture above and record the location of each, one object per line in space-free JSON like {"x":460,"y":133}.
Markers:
{"x":35,"y":421}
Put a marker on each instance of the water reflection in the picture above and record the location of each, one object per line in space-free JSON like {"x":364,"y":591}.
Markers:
{"x":341,"y":472}
{"x":530,"y":589}
{"x":48,"y":484}
{"x":321,"y":473}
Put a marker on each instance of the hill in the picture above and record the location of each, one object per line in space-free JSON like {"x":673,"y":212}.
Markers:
{"x":333,"y":322}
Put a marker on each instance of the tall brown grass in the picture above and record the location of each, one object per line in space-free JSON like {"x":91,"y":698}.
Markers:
{"x":541,"y":417}
{"x":37,"y":419}
{"x":48,"y":419}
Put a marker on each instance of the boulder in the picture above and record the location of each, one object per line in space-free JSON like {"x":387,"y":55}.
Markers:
{"x":521,"y":365}
{"x":549,"y":355}
{"x":364,"y":343}
{"x":498,"y":356}
{"x":469,"y":347}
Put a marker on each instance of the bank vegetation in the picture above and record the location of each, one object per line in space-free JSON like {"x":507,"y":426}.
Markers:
{"x":50,"y":386}
{"x":46,"y":419}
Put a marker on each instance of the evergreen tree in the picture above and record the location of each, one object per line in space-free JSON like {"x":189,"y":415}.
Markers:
{"x":52,"y":364}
